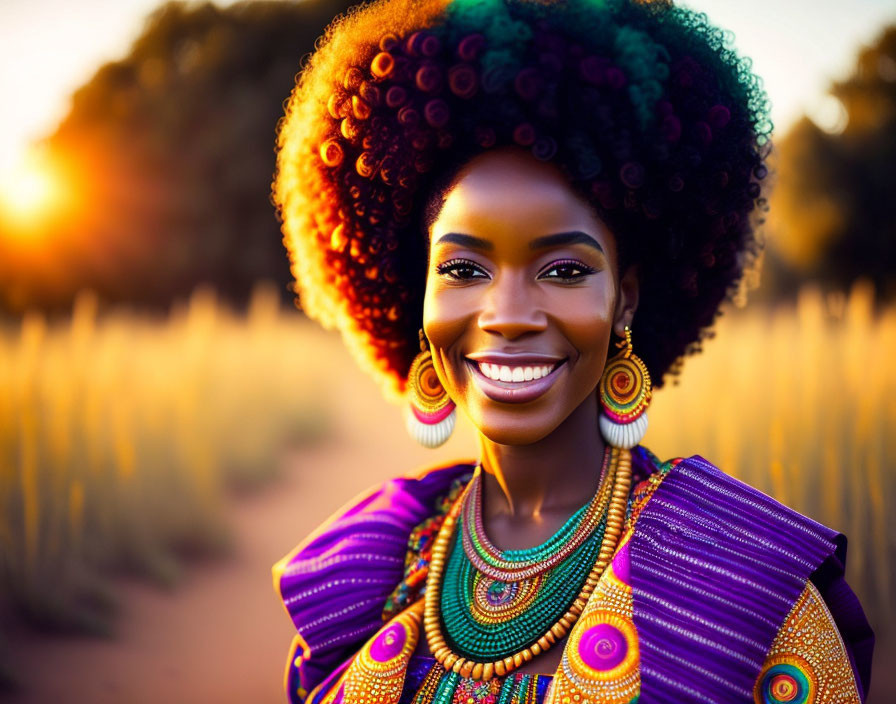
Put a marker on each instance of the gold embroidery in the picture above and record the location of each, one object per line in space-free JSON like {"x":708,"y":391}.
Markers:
{"x":600,"y":660}
{"x":376,"y":675}
{"x":807,"y":662}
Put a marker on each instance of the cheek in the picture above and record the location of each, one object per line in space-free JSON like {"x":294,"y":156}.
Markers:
{"x":587,"y":324}
{"x":588,"y":330}
{"x":444,"y":323}
{"x":444,"y":317}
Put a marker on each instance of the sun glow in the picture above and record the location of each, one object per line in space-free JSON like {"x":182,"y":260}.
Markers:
{"x":30,"y":192}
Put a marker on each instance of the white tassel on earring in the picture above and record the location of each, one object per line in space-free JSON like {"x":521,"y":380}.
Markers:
{"x":623,"y":435}
{"x":428,"y":433}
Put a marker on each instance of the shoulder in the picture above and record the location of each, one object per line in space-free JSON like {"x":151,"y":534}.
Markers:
{"x":335,"y":583}
{"x":695,"y":487}
{"x":390,"y":509}
{"x":700,"y":516}
{"x":747,"y":559}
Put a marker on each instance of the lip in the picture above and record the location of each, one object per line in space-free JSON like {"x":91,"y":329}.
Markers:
{"x":514,"y":391}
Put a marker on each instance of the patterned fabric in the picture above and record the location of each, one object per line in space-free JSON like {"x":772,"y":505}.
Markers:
{"x":600,"y":660}
{"x":716,"y":568}
{"x":808,"y":660}
{"x":807,"y":663}
{"x":425,"y":674}
{"x":604,"y":658}
{"x":377,"y":672}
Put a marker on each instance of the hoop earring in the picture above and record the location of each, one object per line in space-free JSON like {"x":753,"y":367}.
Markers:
{"x":430,"y":413}
{"x":624,"y":395}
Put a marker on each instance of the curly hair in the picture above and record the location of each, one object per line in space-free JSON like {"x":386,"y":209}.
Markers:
{"x":645,"y":107}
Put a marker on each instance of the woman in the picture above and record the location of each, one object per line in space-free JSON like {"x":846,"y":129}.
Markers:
{"x":530,"y":210}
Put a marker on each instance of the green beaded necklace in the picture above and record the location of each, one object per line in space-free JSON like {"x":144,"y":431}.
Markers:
{"x":490,"y":616}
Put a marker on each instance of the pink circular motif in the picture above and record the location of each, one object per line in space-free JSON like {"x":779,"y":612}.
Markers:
{"x":389,"y":643}
{"x":603,"y":647}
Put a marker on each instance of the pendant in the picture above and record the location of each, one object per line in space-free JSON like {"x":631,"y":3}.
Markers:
{"x":497,"y":602}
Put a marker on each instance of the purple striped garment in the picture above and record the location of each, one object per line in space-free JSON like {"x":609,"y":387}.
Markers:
{"x":715,"y":568}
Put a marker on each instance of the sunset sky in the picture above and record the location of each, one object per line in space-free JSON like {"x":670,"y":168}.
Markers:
{"x":50,"y":47}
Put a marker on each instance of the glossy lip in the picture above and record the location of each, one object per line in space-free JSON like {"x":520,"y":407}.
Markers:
{"x":513,"y":391}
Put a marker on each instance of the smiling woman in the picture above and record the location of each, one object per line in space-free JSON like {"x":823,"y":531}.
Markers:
{"x":531,"y":211}
{"x":523,"y":275}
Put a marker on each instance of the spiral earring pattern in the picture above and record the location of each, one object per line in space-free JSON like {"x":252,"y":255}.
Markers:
{"x":431,"y":414}
{"x":625,"y":393}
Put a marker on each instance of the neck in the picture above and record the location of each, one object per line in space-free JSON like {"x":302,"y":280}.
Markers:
{"x":557,"y":473}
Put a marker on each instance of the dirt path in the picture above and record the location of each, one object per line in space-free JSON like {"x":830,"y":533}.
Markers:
{"x":221,"y":637}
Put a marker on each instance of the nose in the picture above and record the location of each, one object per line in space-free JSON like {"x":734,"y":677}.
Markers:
{"x":510,"y":307}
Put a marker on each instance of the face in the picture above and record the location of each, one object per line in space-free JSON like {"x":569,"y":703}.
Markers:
{"x":522,"y":297}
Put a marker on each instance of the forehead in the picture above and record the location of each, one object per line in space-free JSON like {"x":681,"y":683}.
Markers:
{"x":509,"y":193}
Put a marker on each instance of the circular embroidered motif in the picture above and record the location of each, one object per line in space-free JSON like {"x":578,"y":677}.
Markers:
{"x":389,"y":643}
{"x":599,"y":663}
{"x":606,"y":648}
{"x":603,"y":647}
{"x":377,"y":673}
{"x":786,"y":679}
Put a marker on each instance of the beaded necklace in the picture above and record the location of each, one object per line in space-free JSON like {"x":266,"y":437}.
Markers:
{"x":494,"y":600}
{"x":516,"y":565}
{"x":499,"y":609}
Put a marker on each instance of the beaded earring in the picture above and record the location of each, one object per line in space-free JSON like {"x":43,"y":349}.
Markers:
{"x":430,"y":413}
{"x":624,"y":395}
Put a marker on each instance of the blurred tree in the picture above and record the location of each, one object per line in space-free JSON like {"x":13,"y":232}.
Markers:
{"x":169,"y":154}
{"x":833,"y":216}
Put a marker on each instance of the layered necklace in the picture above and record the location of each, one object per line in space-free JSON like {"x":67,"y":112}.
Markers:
{"x":487,"y":611}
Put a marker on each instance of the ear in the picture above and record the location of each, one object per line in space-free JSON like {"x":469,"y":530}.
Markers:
{"x":627,"y":300}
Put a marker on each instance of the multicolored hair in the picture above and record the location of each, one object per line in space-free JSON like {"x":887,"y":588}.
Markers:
{"x":645,"y":107}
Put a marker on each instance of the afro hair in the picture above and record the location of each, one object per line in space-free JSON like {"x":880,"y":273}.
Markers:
{"x":645,"y":107}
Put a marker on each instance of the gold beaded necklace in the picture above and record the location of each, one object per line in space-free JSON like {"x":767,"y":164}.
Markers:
{"x":620,"y":479}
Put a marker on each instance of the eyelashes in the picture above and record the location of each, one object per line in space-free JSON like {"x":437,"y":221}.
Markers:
{"x":574,"y":270}
{"x":461,"y":270}
{"x":566,"y":270}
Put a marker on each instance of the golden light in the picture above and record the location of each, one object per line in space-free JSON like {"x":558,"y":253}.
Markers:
{"x":29,"y":194}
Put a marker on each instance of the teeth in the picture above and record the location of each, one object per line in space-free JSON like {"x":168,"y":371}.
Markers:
{"x":502,"y":372}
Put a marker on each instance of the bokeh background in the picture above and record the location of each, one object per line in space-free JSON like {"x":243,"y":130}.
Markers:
{"x":170,"y":424}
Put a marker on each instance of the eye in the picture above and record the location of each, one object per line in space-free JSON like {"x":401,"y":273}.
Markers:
{"x":461,"y":270}
{"x":567,"y":270}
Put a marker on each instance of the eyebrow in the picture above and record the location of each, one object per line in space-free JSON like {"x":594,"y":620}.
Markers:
{"x":465,"y":241}
{"x":563,"y":238}
{"x":556,"y":240}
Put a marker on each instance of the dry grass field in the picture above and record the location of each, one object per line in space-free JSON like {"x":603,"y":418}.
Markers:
{"x":121,"y":436}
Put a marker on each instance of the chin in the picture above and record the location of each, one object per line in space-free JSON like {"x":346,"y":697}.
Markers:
{"x":513,"y":428}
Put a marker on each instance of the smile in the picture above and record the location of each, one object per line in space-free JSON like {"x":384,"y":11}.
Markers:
{"x":519,"y":382}
{"x":503,"y":372}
